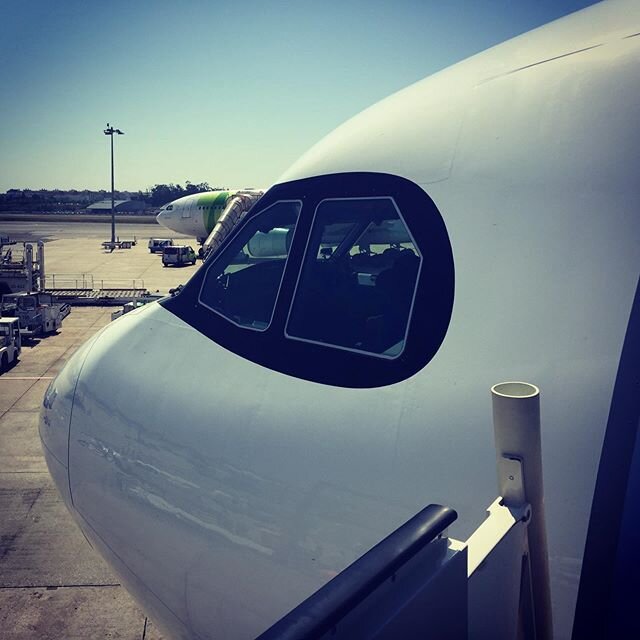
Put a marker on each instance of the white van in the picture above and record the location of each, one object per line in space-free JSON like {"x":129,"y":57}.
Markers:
{"x":10,"y":342}
{"x":178,"y":255}
{"x":156,"y":245}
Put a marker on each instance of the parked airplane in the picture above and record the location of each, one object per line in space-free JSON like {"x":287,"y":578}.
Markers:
{"x":337,"y":381}
{"x":196,"y":215}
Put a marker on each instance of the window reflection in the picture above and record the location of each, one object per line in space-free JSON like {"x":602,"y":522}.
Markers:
{"x":358,"y":279}
{"x":242,"y":283}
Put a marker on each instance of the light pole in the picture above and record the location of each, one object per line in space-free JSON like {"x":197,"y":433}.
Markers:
{"x":109,"y":131}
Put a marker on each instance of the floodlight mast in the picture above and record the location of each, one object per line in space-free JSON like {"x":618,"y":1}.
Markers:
{"x":109,"y":131}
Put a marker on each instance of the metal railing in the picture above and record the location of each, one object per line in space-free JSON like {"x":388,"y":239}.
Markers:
{"x":135,"y":283}
{"x":419,"y":583}
{"x":86,"y":281}
{"x":68,"y":281}
{"x":336,"y":609}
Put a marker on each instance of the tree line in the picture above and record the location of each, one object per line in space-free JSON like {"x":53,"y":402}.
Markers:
{"x":160,"y":194}
{"x":53,"y":200}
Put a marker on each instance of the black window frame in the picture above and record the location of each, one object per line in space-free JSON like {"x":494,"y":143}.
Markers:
{"x":325,"y":364}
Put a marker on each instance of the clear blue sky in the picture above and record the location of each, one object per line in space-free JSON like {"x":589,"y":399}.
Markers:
{"x":225,"y":92}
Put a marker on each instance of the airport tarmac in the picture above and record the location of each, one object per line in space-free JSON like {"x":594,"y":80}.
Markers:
{"x":74,"y":248}
{"x":56,"y":230}
{"x":52,"y":584}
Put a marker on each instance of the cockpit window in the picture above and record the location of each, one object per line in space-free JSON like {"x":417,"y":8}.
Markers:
{"x":243,"y":281}
{"x":344,"y":279}
{"x":358,"y":278}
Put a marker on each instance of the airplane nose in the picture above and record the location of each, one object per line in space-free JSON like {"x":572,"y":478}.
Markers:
{"x":55,"y":419}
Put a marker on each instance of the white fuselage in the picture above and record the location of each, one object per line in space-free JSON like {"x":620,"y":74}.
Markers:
{"x":224,"y":492}
{"x":193,"y":215}
{"x":196,"y":215}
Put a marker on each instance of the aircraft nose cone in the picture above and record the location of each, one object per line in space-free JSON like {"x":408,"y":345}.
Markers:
{"x":55,"y":419}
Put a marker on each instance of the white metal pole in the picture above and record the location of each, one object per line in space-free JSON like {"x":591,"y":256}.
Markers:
{"x":113,"y":211}
{"x":516,"y":424}
{"x":28,"y":263}
{"x":41,"y":271}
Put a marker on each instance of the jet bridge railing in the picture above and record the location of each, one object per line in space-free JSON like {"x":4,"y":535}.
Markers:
{"x":234,"y":212}
{"x":418,"y":583}
{"x":381,"y":594}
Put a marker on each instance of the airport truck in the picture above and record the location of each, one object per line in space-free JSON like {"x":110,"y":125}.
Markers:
{"x":39,"y":313}
{"x":10,"y":342}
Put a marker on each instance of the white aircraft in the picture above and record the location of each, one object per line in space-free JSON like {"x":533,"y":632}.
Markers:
{"x":196,"y":215}
{"x":318,"y":394}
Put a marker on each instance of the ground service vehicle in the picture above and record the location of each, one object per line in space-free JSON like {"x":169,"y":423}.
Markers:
{"x":39,"y":313}
{"x":156,"y":245}
{"x":10,"y":342}
{"x":178,"y":256}
{"x":21,"y":269}
{"x":476,"y":227}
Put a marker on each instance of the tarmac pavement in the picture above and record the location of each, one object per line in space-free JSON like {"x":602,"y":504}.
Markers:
{"x":52,"y":583}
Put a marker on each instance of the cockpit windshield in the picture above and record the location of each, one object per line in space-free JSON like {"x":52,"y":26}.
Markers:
{"x":242,"y":282}
{"x":344,"y":279}
{"x":358,"y":278}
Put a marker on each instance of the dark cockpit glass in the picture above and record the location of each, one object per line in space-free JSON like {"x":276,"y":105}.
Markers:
{"x":358,"y":279}
{"x":343,"y":279}
{"x":243,"y":281}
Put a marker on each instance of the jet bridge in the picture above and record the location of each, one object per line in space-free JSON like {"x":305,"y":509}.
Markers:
{"x":235,"y":210}
{"x":419,"y":583}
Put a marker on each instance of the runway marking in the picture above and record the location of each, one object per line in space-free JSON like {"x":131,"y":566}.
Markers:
{"x":27,"y":378}
{"x":53,"y":587}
